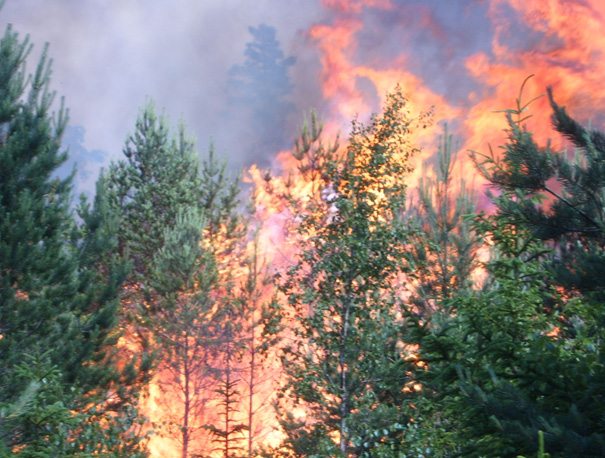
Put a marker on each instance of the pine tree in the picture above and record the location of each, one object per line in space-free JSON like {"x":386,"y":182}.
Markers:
{"x":524,"y":355}
{"x":160,"y":175}
{"x":189,"y":283}
{"x":570,"y":223}
{"x":573,"y":218}
{"x":490,"y":344}
{"x":58,"y":313}
{"x":184,"y":276}
{"x":444,"y":245}
{"x":341,"y":290}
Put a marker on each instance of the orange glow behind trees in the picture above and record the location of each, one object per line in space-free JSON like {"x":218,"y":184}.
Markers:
{"x":224,"y":331}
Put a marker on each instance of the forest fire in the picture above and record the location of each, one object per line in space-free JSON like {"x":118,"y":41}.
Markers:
{"x":560,"y":58}
{"x":372,"y":300}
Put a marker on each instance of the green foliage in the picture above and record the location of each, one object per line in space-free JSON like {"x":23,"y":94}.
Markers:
{"x":523,"y":354}
{"x":193,"y":312}
{"x":58,"y":314}
{"x":559,"y":197}
{"x":345,"y":352}
{"x":183,"y":277}
{"x":40,"y":414}
{"x":443,"y":246}
{"x":443,"y":242}
{"x":159,"y":176}
{"x":541,"y":453}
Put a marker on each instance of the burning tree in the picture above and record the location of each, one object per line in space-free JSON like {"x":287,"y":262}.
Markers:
{"x":227,"y":431}
{"x":177,"y":225}
{"x":261,"y":334}
{"x":343,"y":291}
{"x":185,"y":277}
{"x":191,"y":278}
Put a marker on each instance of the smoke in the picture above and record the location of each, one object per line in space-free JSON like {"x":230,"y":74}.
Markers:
{"x":199,"y":60}
{"x":110,"y":57}
{"x":86,"y":163}
{"x":257,"y":97}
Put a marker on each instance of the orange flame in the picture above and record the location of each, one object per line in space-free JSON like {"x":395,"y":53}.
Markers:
{"x":565,"y":49}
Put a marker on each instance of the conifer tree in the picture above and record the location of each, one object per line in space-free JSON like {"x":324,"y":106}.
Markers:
{"x":159,"y":176}
{"x":341,"y":290}
{"x":227,"y":431}
{"x":559,"y":200}
{"x":189,"y":282}
{"x":249,"y":325}
{"x":259,"y":89}
{"x":444,"y":245}
{"x":158,"y":197}
{"x":184,"y":276}
{"x":519,"y":357}
{"x":59,"y":380}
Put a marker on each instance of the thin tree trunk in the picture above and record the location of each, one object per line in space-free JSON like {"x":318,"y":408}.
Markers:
{"x":344,"y":396}
{"x":227,"y":402}
{"x":252,"y":381}
{"x":187,"y":406}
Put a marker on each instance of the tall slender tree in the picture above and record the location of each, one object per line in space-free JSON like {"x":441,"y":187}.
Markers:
{"x":444,"y":247}
{"x":228,"y":430}
{"x":443,"y":242}
{"x":259,"y":89}
{"x":61,"y":392}
{"x":189,"y":280}
{"x":184,"y":276}
{"x":342,"y":292}
{"x":159,"y":176}
{"x":261,"y":334}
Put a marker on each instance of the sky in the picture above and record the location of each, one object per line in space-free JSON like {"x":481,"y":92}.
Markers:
{"x":241,"y":73}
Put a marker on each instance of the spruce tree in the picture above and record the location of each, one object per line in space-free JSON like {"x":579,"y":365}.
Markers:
{"x":248,"y":332}
{"x":227,"y":431}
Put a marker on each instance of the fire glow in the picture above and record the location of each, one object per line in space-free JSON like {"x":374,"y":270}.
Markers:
{"x":561,"y":44}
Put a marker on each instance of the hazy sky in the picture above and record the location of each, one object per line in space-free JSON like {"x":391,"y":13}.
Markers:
{"x":110,"y":56}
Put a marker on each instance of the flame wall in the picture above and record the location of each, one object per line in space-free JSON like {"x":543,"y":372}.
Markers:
{"x":467,"y":58}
